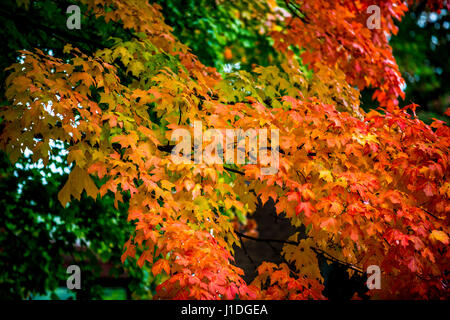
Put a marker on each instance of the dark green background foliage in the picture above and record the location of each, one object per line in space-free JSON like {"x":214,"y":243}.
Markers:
{"x":421,"y":49}
{"x":37,"y":234}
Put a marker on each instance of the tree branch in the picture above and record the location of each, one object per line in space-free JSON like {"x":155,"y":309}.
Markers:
{"x":63,"y":35}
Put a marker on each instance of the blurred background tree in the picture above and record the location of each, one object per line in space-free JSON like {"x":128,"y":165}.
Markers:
{"x":421,"y":48}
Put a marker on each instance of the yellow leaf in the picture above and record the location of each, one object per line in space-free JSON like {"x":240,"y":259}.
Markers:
{"x":67,"y":48}
{"x":76,"y":155}
{"x":78,"y":181}
{"x":439,"y":235}
{"x":64,"y":194}
{"x":107,"y":98}
{"x":272,"y":4}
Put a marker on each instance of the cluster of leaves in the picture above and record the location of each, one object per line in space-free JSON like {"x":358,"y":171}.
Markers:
{"x":422,"y":41}
{"x":370,"y":188}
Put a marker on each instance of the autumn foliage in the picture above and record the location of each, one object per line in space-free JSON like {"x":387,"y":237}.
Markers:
{"x":368,"y":188}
